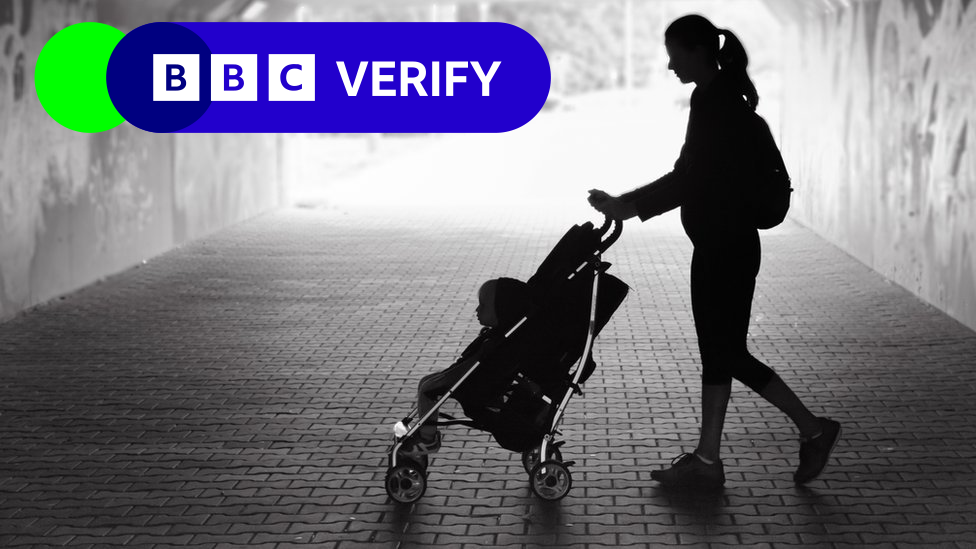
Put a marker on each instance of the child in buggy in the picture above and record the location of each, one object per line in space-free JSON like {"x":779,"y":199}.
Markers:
{"x":501,"y":303}
{"x":517,"y":378}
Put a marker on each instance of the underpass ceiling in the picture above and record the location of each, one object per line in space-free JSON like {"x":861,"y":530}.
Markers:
{"x":222,"y":10}
{"x":128,"y":14}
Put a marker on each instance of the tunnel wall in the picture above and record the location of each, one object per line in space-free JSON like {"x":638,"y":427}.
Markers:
{"x":77,"y":207}
{"x":879,"y":130}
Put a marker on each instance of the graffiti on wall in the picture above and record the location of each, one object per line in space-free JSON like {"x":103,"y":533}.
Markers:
{"x":72,"y":203}
{"x":76,"y":207}
{"x":879,"y":113}
{"x":39,"y":160}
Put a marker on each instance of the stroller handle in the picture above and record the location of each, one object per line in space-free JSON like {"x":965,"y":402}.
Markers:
{"x":618,"y":228}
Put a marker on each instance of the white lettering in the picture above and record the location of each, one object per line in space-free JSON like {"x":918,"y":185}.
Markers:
{"x":435,"y":74}
{"x":416,"y":74}
{"x":417,"y":81}
{"x":379,"y":78}
{"x":352,"y":89}
{"x":485,"y":80}
{"x":453,"y":78}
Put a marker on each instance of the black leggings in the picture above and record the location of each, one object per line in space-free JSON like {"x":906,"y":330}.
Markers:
{"x":723,"y":279}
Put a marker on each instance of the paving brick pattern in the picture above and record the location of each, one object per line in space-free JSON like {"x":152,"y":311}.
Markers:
{"x":240,"y":391}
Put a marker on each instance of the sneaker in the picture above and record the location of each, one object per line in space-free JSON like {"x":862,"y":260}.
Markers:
{"x":815,"y":451}
{"x":688,"y":470}
{"x":416,"y":446}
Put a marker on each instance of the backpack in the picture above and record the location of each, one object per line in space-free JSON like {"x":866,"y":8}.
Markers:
{"x":772,"y":185}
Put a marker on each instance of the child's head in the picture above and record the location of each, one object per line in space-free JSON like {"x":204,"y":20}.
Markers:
{"x":501,"y":301}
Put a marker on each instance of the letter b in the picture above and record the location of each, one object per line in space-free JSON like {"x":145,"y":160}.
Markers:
{"x":232,"y":73}
{"x":176,"y":77}
{"x":233,"y":77}
{"x":174,"y":73}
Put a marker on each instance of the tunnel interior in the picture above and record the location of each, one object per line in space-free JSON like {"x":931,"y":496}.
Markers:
{"x":871,"y":102}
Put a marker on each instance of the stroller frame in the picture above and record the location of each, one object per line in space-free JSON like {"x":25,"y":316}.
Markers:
{"x":549,"y":476}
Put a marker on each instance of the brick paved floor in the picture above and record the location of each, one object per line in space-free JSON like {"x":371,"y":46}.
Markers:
{"x":240,"y":391}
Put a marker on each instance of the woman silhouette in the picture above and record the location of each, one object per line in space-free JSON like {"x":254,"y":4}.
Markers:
{"x":710,"y":182}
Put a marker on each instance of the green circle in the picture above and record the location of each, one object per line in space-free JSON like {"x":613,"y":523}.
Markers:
{"x":70,"y":77}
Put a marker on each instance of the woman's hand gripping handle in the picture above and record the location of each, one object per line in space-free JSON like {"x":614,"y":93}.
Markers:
{"x":611,"y":206}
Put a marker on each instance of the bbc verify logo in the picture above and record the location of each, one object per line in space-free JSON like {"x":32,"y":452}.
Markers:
{"x":328,"y":77}
{"x":234,"y":77}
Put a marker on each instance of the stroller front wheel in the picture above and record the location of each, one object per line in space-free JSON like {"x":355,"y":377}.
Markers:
{"x":407,"y":482}
{"x":550,"y":480}
{"x":530,"y":458}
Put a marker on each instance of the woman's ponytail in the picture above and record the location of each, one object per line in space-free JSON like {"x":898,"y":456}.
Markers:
{"x":733,"y":60}
{"x":693,"y":30}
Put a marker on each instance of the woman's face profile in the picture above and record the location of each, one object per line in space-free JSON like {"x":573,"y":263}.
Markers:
{"x":685,"y":63}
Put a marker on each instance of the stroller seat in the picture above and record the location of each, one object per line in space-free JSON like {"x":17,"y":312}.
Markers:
{"x":518,"y":389}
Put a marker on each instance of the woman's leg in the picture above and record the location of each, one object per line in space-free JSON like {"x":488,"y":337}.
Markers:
{"x":703,"y":469}
{"x":715,"y":401}
{"x":726,"y":312}
{"x":732,"y":314}
{"x":710,"y":304}
{"x":818,"y":435}
{"x":781,"y":396}
{"x":722,"y":286}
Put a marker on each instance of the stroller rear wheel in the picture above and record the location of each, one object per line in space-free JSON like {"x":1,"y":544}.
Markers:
{"x":407,"y":482}
{"x":550,"y":480}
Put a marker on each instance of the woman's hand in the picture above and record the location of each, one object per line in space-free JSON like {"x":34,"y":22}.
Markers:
{"x":611,"y":206}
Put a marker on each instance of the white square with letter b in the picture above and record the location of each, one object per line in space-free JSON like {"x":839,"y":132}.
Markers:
{"x":233,"y":77}
{"x":176,"y":77}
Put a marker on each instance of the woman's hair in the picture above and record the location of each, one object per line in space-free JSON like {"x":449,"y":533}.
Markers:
{"x":691,"y":31}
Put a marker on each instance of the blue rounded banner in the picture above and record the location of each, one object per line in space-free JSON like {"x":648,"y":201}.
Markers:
{"x":329,"y":77}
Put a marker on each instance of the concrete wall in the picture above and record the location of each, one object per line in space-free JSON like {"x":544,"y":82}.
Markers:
{"x":879,"y":129}
{"x":77,"y":207}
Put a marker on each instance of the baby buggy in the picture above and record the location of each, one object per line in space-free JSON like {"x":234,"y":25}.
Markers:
{"x":518,"y":390}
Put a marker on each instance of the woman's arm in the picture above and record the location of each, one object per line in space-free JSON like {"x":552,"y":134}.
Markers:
{"x":714,"y":147}
{"x":662,"y":195}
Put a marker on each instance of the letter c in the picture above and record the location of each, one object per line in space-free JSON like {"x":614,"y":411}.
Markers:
{"x":284,"y":77}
